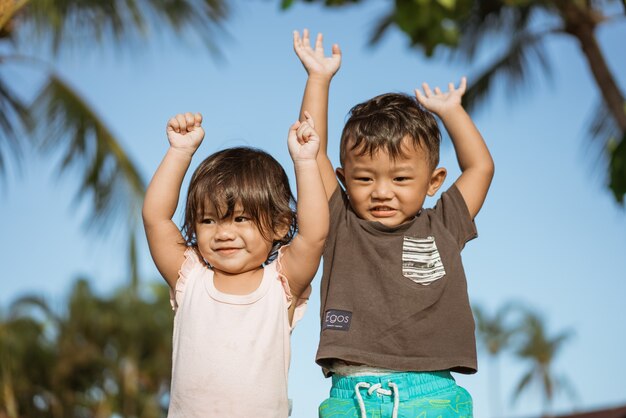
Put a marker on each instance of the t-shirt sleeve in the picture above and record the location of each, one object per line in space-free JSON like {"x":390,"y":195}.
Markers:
{"x":191,"y":262}
{"x":452,"y":211}
{"x":337,"y":206}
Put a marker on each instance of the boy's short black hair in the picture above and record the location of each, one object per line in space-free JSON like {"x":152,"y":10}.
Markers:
{"x":247,"y":176}
{"x":384,"y":121}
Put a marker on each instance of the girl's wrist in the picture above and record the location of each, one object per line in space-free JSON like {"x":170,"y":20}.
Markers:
{"x":304,"y":162}
{"x":181,"y":152}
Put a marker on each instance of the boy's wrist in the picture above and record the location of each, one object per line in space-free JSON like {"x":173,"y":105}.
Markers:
{"x":317,"y":78}
{"x":451,"y":112}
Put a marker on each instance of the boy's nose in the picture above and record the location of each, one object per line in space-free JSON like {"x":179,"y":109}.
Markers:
{"x":382,"y":191}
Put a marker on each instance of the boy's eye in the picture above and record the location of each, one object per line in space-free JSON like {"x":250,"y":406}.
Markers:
{"x":207,"y":221}
{"x":363,"y":179}
{"x":241,"y":219}
{"x":400,"y":179}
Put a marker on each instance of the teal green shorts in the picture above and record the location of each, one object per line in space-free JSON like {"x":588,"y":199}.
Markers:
{"x":410,"y":395}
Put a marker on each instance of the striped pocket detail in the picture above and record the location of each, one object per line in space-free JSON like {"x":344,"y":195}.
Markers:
{"x":421,"y":261}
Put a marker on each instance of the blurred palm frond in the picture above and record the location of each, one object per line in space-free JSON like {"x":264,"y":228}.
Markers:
{"x":67,"y":124}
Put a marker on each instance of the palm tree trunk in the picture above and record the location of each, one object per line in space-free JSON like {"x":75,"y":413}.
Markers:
{"x":8,"y":8}
{"x":494,"y":377}
{"x":9,"y":394}
{"x":581,"y":24}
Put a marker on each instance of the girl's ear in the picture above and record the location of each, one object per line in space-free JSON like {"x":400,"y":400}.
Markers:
{"x":282,"y":229}
{"x":436,"y":180}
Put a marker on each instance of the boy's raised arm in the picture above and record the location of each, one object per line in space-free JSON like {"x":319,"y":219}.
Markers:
{"x":474,"y":159}
{"x":320,"y":70}
{"x":166,"y":243}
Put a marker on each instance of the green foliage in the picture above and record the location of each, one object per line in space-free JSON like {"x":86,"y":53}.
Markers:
{"x":67,"y":123}
{"x":617,"y":152}
{"x":13,"y":117}
{"x":428,"y":23}
{"x":102,"y":356}
{"x":496,"y":331}
{"x":124,"y":22}
{"x":285,"y":4}
{"x":518,"y":329}
{"x":540,"y":350}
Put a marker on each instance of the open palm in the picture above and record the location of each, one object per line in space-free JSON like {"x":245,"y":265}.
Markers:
{"x":313,"y":60}
{"x":438,"y":101}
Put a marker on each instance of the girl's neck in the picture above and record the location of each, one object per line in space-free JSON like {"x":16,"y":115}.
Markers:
{"x":238,"y":284}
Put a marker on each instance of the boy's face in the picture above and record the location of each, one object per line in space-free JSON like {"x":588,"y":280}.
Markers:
{"x":389,"y":191}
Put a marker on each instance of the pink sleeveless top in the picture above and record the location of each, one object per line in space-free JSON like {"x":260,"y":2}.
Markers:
{"x":230,"y":352}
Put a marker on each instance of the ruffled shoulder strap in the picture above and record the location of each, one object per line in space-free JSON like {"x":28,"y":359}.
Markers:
{"x":302,"y":301}
{"x":192,"y":261}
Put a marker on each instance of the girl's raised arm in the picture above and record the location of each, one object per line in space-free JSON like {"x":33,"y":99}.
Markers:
{"x":167,"y":247}
{"x":301,"y":258}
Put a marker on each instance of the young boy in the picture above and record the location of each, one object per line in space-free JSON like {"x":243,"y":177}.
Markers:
{"x":395,"y":313}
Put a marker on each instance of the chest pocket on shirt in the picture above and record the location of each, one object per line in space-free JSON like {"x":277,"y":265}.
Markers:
{"x":421,"y":261}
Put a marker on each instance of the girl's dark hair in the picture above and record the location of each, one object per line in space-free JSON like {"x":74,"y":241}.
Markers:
{"x":384,"y":121}
{"x":247,"y":176}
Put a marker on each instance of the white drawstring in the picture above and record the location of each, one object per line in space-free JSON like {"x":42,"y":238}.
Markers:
{"x":377,"y":387}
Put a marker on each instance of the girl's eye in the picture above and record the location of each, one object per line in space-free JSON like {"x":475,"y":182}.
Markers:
{"x":208,"y":221}
{"x":241,"y":219}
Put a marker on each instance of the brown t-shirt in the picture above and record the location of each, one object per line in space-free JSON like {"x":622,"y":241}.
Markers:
{"x":396,"y":298}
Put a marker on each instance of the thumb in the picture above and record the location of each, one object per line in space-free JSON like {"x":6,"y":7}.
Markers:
{"x":309,"y":119}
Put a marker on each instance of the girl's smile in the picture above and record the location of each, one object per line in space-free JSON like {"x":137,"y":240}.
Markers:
{"x":231,"y":245}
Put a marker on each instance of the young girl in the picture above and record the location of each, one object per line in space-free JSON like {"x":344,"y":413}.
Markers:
{"x":237,"y":288}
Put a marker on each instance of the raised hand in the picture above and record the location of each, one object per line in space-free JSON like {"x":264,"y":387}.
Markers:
{"x":303,"y":140}
{"x":313,"y":60}
{"x":439,"y":102}
{"x":185,"y":133}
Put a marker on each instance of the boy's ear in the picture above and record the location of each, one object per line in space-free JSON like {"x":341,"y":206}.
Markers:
{"x":436,"y":180}
{"x":341,"y":176}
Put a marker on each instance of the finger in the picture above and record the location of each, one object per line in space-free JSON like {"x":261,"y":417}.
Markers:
{"x":294,"y":127}
{"x":336,"y":51}
{"x":182,"y":123}
{"x":419,"y":96}
{"x":463,"y":85}
{"x":309,"y":119}
{"x":297,"y":42}
{"x":302,"y":128}
{"x":198,"y":120}
{"x":191,"y":120}
{"x":306,"y":42}
{"x":304,"y":133}
{"x":319,"y":44}
{"x":427,"y":91}
{"x":451,"y":87}
{"x":437,"y":90}
{"x":172,"y":125}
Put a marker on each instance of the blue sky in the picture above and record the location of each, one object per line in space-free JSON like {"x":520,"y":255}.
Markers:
{"x":550,"y":234}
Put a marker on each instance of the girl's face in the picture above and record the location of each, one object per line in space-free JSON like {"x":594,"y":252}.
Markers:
{"x":233,"y":245}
